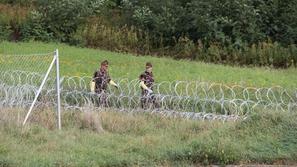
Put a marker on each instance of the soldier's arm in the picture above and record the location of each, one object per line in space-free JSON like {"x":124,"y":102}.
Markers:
{"x":111,"y":82}
{"x":142,"y":84}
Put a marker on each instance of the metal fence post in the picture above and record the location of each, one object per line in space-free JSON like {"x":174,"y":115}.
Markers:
{"x":58,"y":88}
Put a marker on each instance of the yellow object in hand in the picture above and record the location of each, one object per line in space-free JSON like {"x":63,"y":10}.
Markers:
{"x":92,"y":86}
{"x":111,"y":82}
{"x":143,"y":85}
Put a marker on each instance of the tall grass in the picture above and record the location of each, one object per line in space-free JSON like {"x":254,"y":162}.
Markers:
{"x":130,"y":39}
{"x":267,"y":137}
{"x":125,"y":39}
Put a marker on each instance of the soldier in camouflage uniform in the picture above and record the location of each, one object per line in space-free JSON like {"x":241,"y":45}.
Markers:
{"x":102,"y":79}
{"x":147,"y":83}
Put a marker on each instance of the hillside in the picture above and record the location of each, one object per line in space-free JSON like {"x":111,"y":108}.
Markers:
{"x":83,"y":62}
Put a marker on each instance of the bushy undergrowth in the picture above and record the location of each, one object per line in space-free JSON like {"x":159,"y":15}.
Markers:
{"x":133,"y":40}
{"x":249,"y":38}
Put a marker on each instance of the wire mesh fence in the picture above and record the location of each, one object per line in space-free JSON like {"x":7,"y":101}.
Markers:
{"x":20,"y":79}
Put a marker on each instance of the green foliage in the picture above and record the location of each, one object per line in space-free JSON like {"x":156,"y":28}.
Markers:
{"x":221,"y":21}
{"x":261,"y":54}
{"x":18,"y":2}
{"x":124,"y":39}
{"x":278,"y":19}
{"x":245,"y":32}
{"x":185,"y":48}
{"x":35,"y":28}
{"x":5,"y":32}
{"x":6,"y":162}
{"x":61,"y":18}
{"x":212,"y":151}
{"x":11,"y":19}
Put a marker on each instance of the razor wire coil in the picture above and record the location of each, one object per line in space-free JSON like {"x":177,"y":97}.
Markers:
{"x":192,"y":100}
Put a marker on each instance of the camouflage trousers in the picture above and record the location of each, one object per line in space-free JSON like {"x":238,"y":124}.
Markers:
{"x":101,"y":99}
{"x":148,"y":101}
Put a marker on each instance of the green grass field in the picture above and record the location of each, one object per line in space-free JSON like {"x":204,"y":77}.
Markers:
{"x":266,"y":137}
{"x":83,"y":62}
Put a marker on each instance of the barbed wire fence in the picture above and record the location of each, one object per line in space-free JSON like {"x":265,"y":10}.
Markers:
{"x":22,"y":75}
{"x":191,"y":100}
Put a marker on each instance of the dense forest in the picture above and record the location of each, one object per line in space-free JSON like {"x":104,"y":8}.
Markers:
{"x":235,"y":32}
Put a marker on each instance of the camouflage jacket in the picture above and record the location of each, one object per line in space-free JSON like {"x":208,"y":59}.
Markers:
{"x":148,"y":79}
{"x":101,"y":78}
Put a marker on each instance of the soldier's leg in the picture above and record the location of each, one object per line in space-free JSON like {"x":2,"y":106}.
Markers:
{"x":152,"y":102}
{"x":99,"y":98}
{"x":155,"y":102}
{"x":105,"y":102}
{"x":144,"y":100}
{"x":103,"y":99}
{"x":96,"y":99}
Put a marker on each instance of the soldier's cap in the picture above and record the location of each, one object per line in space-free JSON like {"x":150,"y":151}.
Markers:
{"x":105,"y":62}
{"x":148,"y":65}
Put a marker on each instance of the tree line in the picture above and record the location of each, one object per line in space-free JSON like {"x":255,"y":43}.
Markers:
{"x":236,"y":32}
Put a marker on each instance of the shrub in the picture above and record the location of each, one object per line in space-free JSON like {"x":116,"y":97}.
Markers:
{"x":5,"y":32}
{"x":35,"y":29}
{"x":11,"y":19}
{"x":61,"y":18}
{"x":185,"y":48}
{"x":125,"y":39}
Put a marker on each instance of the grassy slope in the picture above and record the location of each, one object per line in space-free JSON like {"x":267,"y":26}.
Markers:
{"x":266,"y":137}
{"x":145,"y":140}
{"x":82,"y":62}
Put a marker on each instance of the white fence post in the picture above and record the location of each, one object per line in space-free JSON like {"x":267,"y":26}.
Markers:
{"x":58,"y":88}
